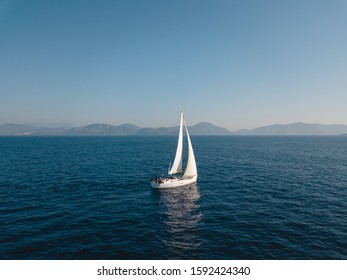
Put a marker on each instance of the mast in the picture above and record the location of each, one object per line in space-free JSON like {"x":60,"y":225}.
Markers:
{"x":177,"y":165}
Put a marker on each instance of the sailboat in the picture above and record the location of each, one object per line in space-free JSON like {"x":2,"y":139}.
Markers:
{"x":190,"y":174}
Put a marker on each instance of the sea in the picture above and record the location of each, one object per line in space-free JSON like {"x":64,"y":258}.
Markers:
{"x":257,"y":197}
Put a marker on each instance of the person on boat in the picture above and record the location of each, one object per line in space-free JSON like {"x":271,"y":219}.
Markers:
{"x":158,"y":180}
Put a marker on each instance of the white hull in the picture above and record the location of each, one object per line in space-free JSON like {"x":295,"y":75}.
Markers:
{"x":168,"y":183}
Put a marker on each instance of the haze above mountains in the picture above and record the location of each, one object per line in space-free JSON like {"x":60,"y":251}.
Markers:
{"x":202,"y":128}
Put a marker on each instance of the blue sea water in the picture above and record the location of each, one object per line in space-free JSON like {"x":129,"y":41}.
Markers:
{"x":90,"y":198}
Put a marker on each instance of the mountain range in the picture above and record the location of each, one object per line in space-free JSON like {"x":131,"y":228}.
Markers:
{"x":202,"y":128}
{"x":298,"y":128}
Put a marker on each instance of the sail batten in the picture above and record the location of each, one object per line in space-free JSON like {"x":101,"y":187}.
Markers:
{"x":177,"y":165}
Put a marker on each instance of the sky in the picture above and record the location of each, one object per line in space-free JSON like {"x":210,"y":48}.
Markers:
{"x":234,"y":63}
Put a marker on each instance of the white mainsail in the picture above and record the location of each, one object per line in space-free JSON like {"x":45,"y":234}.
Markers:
{"x":191,"y":165}
{"x":177,"y":165}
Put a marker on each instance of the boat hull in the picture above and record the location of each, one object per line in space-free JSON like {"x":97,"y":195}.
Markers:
{"x":169,"y":183}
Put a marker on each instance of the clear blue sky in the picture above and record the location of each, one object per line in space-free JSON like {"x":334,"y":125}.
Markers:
{"x":237,"y":64}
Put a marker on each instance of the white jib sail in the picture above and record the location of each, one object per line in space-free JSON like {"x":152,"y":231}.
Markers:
{"x":177,"y":165}
{"x":191,"y":170}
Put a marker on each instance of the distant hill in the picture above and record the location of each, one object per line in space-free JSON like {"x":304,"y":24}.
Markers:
{"x":130,"y":129}
{"x":103,"y":129}
{"x":296,"y":129}
{"x":21,"y":129}
{"x":202,"y":128}
{"x":205,"y":128}
{"x":158,"y":131}
{"x":16,"y":129}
